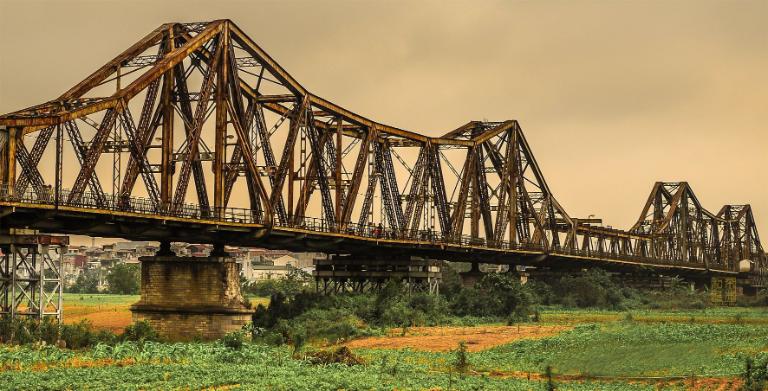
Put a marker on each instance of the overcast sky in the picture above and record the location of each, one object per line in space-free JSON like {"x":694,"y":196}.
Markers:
{"x":612,"y":96}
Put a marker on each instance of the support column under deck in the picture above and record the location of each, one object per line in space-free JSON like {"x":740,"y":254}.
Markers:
{"x":471,"y":277}
{"x":186,"y":298}
{"x":31,"y":276}
{"x":349,"y":273}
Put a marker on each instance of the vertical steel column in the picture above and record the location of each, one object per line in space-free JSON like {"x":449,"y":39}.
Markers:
{"x":59,"y":166}
{"x":60,"y":283}
{"x":13,"y":268}
{"x":5,"y":280}
{"x":339,"y":189}
{"x":4,"y":136}
{"x":222,"y":75}
{"x":38,"y":262}
{"x":166,"y":170}
{"x":291,"y":171}
{"x":8,"y":158}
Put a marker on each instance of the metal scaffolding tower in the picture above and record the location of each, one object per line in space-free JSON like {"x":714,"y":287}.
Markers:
{"x":31,"y":276}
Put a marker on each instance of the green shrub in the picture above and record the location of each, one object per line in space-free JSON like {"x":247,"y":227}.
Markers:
{"x":49,"y":330}
{"x":6,"y":329}
{"x":755,"y":375}
{"x":550,"y":381}
{"x":594,"y":288}
{"x":461,"y":362}
{"x":498,"y":295}
{"x":105,"y":337}
{"x":234,"y":340}
{"x":78,"y":335}
{"x":140,"y":331}
{"x":298,"y":338}
{"x":273,"y":338}
{"x":295,"y":282}
{"x":758,"y":300}
{"x":22,"y":331}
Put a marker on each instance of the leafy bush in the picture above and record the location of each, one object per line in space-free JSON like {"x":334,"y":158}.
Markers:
{"x":49,"y":330}
{"x":233,"y":340}
{"x":272,"y":338}
{"x":755,"y":375}
{"x":498,"y":295}
{"x":594,"y":288}
{"x":341,"y":355}
{"x":294,"y":283}
{"x":28,"y":330}
{"x":6,"y":329}
{"x":758,"y":300}
{"x":78,"y":335}
{"x":140,"y":331}
{"x":462,"y":359}
{"x":22,"y":331}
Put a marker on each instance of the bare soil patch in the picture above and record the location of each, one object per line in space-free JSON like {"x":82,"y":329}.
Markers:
{"x":443,"y":339}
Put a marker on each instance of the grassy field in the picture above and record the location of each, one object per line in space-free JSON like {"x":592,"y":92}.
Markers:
{"x":212,"y":366}
{"x":108,"y":312}
{"x":725,"y":315}
{"x":619,"y":350}
{"x":586,"y":350}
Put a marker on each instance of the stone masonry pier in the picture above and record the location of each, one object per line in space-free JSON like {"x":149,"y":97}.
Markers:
{"x":186,"y":298}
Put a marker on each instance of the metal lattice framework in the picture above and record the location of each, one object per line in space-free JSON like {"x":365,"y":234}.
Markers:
{"x":224,"y":139}
{"x":31,"y":281}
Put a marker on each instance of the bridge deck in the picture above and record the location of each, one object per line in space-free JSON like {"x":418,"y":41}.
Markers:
{"x":239,"y":227}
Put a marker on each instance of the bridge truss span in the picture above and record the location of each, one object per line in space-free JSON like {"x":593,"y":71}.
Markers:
{"x":196,"y":134}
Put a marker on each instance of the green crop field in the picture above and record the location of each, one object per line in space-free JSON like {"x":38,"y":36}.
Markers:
{"x":733,"y":315}
{"x":705,"y":351}
{"x":98,"y":299}
{"x":621,"y":349}
{"x":196,"y":366}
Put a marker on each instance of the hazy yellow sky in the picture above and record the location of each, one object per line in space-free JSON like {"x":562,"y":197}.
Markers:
{"x":612,"y":96}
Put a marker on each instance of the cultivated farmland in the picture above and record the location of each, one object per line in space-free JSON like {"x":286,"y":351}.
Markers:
{"x":584,"y":350}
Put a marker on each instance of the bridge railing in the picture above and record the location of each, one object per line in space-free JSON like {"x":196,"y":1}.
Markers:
{"x":382,"y":232}
{"x":139,"y":205}
{"x":586,"y":253}
{"x":146,"y":206}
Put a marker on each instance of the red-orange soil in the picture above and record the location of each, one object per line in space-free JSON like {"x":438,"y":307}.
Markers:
{"x":442,"y":339}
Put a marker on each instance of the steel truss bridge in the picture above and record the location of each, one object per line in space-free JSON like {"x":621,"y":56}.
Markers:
{"x":196,"y":134}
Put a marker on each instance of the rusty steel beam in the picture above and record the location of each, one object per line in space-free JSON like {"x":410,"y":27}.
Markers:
{"x":166,"y":164}
{"x":35,"y":155}
{"x":193,"y":138}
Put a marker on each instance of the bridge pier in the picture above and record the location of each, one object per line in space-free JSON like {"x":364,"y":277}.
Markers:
{"x":346,"y":273}
{"x":471,"y":277}
{"x":186,"y":298}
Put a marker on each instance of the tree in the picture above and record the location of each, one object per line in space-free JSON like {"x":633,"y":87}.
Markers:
{"x":295,"y":282}
{"x":87,"y":282}
{"x":124,"y":279}
{"x":496,"y":294}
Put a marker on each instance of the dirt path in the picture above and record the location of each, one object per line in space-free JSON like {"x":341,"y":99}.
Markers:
{"x":442,"y":339}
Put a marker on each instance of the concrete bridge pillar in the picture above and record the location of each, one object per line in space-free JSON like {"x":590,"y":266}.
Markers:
{"x":186,"y":298}
{"x":471,"y":277}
